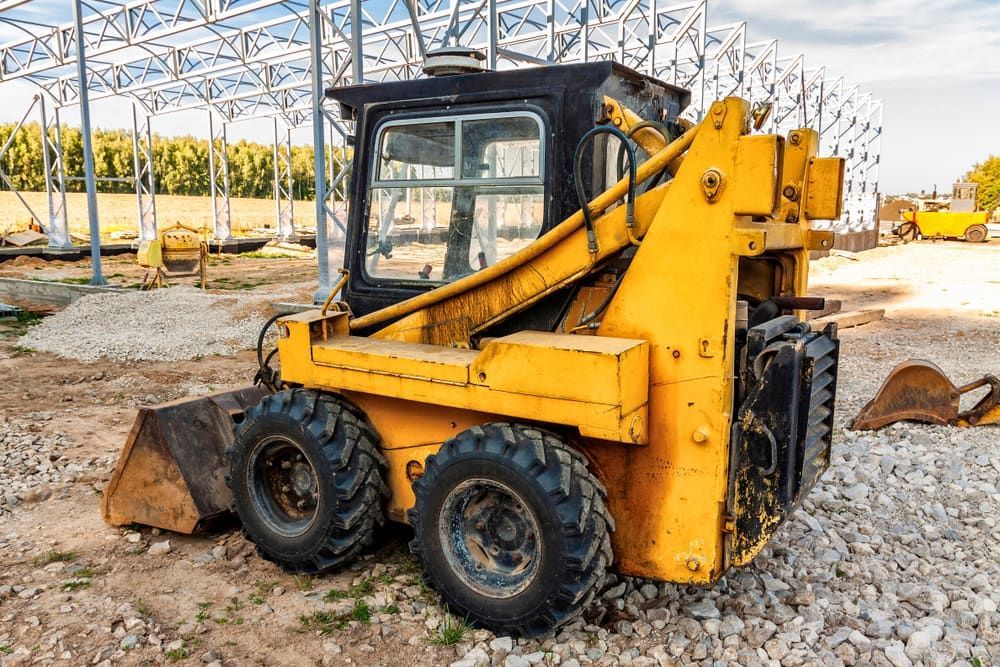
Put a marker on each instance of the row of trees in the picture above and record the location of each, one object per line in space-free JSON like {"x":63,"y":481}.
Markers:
{"x":180,"y":164}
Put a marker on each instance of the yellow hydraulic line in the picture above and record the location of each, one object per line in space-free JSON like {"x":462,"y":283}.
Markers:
{"x":344,"y":275}
{"x":555,"y":235}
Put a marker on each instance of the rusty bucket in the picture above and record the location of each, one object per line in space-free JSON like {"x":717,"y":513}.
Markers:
{"x":171,"y":473}
{"x":918,"y":390}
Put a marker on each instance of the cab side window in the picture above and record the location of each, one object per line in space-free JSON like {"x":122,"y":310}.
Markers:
{"x":450,"y":197}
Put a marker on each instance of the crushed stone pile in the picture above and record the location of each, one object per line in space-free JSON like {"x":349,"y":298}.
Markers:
{"x":160,"y":325}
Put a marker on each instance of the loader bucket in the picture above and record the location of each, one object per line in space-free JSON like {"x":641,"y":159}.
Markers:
{"x":916,"y":390}
{"x":171,"y":473}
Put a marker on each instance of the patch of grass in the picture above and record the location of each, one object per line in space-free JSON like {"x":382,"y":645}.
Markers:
{"x":304,"y":583}
{"x":28,"y":318}
{"x":264,"y":586}
{"x":177,"y":654}
{"x":73,"y":281}
{"x":54,"y":557}
{"x":234,"y":605}
{"x":256,"y":254}
{"x":257,"y":599}
{"x":203,"y":614}
{"x":976,"y":662}
{"x":333,"y":595}
{"x":323,"y":622}
{"x":142,"y":607}
{"x":361,"y":612}
{"x":365,"y":587}
{"x":451,"y":631}
{"x":21,"y":351}
{"x":6,"y":650}
{"x":390,"y":609}
{"x":76,"y":585}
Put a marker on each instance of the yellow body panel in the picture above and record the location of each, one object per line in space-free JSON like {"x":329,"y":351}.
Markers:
{"x":659,"y":372}
{"x":522,"y":375}
{"x":947,"y":223}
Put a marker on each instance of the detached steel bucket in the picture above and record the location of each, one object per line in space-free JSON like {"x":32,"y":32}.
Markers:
{"x":172,"y":472}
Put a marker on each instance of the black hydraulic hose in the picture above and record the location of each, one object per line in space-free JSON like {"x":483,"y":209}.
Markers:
{"x":578,"y":178}
{"x":642,"y":125}
{"x":264,"y":373}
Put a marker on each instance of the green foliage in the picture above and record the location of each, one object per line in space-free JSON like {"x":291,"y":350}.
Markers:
{"x":54,"y":557}
{"x":450,"y":632}
{"x":304,"y":583}
{"x":323,"y":622}
{"x":987,"y":174}
{"x":333,"y":595}
{"x":177,"y":654}
{"x":180,"y":164}
{"x":362,"y":612}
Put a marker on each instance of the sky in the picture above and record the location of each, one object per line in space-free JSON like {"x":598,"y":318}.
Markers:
{"x":935,"y":64}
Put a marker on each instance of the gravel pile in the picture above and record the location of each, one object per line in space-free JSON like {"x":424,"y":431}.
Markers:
{"x":160,"y":325}
{"x":31,"y":463}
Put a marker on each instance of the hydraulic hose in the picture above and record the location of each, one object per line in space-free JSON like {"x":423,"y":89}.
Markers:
{"x":581,"y":196}
{"x":265,"y":374}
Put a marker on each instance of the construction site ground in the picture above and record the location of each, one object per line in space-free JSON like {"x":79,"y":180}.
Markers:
{"x":892,"y":560}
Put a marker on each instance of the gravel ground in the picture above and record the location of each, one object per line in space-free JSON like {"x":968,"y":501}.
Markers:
{"x":32,"y":464}
{"x":892,"y":560}
{"x":159,"y":325}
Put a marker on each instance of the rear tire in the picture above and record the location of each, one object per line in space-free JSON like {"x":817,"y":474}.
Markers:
{"x":307,"y":480}
{"x":976,"y":234}
{"x":511,"y":528}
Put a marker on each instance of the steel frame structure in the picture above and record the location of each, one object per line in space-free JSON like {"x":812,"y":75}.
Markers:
{"x":242,"y":59}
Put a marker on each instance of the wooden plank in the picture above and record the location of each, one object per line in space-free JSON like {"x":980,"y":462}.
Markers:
{"x":854,"y":318}
{"x":832,"y":306}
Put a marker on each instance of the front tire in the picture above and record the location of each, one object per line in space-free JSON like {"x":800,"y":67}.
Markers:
{"x":511,"y":528}
{"x":307,"y":480}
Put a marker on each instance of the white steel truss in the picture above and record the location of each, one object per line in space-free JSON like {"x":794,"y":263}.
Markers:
{"x":256,"y":58}
{"x":145,"y":188}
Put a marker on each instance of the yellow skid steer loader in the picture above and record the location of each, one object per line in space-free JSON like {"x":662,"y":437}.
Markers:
{"x":544,"y":387}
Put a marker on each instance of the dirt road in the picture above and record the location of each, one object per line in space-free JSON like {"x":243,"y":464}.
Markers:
{"x":74,"y":591}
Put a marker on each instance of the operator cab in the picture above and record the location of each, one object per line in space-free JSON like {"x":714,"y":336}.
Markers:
{"x":452,"y":174}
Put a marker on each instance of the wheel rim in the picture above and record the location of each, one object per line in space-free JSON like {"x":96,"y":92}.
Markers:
{"x":490,"y":538}
{"x":976,"y":234}
{"x":283,"y":486}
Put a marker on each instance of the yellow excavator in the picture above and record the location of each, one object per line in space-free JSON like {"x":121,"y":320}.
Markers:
{"x":545,"y":384}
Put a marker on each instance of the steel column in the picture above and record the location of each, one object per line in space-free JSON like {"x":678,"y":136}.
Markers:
{"x":55,"y":178}
{"x":319,"y":140}
{"x":284,"y":212}
{"x":96,"y":278}
{"x":145,"y":189}
{"x":218,"y":178}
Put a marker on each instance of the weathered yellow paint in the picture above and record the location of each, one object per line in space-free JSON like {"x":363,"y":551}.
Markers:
{"x":754,"y":179}
{"x":658,"y":372}
{"x":522,"y":375}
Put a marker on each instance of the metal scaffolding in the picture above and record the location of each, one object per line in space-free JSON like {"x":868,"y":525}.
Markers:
{"x":242,"y":59}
